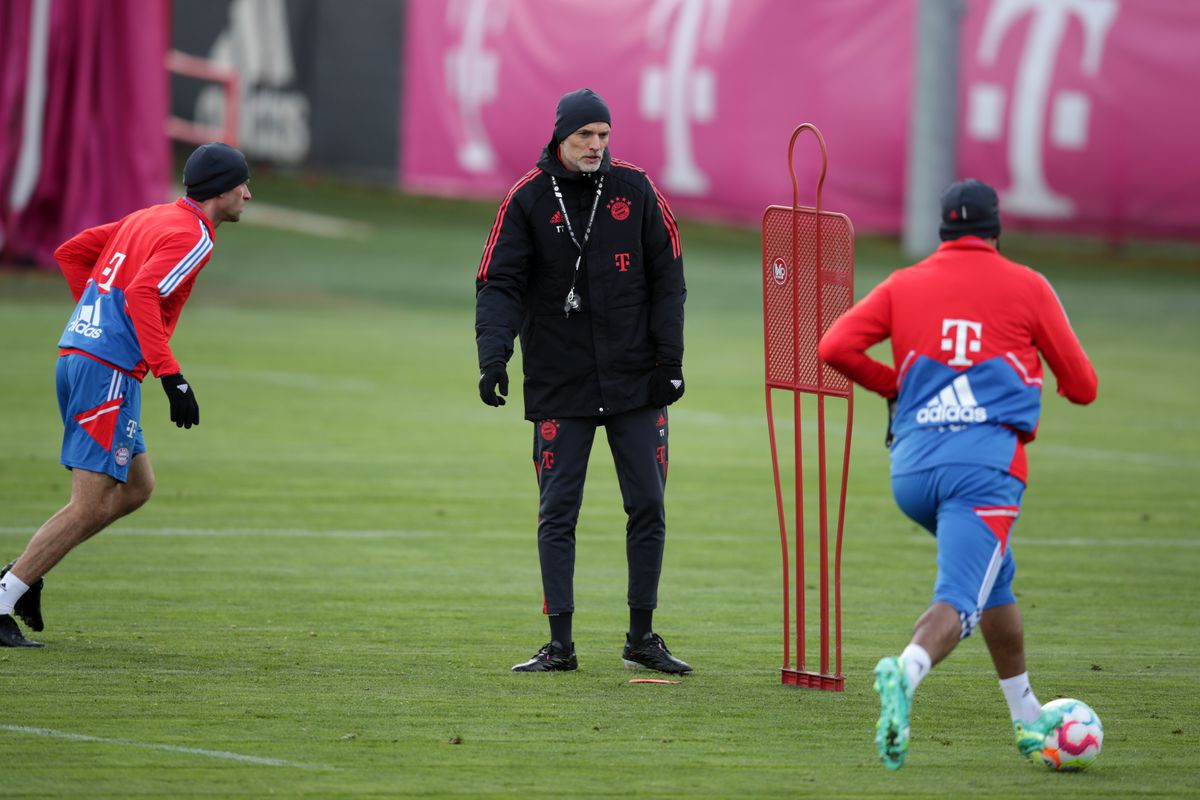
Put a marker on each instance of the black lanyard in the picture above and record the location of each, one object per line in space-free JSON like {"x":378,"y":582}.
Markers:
{"x":573,"y":301}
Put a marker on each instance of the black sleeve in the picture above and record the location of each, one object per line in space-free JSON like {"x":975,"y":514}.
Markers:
{"x":500,"y":283}
{"x":663,"y":252}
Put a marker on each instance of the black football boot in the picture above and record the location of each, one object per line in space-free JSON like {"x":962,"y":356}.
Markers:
{"x":29,"y":607}
{"x":551,"y":658}
{"x":652,"y":653}
{"x":11,"y":636}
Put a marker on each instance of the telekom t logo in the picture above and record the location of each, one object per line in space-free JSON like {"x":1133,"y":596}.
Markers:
{"x":679,"y":92}
{"x":961,"y":336}
{"x":472,"y":76}
{"x":1029,"y":193}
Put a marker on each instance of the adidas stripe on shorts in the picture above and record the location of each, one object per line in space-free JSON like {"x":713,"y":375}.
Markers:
{"x":971,"y":511}
{"x":101,"y":408}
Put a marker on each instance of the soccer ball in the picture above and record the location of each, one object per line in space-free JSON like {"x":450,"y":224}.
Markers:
{"x":1076,"y":742}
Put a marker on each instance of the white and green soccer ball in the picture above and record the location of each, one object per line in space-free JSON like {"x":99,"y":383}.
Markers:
{"x":1076,"y":742}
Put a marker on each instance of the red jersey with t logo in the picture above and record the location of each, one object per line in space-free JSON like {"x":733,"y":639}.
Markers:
{"x":967,"y":327}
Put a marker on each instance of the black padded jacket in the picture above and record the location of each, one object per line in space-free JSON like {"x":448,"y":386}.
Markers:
{"x":598,"y":360}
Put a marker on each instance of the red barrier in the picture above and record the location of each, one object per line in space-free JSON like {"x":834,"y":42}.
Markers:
{"x":186,"y":130}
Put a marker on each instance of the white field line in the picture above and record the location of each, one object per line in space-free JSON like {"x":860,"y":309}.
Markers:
{"x":694,"y":418}
{"x":296,"y":380}
{"x":290,"y":533}
{"x":222,"y":754}
{"x":1123,"y":457}
{"x":308,"y":533}
{"x":290,"y":219}
{"x":1021,"y":542}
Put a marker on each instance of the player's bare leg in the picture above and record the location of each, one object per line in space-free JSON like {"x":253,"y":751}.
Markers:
{"x":1005,"y":636}
{"x":938,"y":631}
{"x":97,"y":500}
{"x":935,"y":635}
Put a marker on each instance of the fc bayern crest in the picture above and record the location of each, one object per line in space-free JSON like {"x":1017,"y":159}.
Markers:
{"x":121,"y":456}
{"x":779,"y":271}
{"x":549,"y":429}
{"x":619,"y":208}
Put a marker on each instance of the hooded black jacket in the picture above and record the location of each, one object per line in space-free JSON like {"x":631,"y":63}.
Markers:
{"x":599,"y":360}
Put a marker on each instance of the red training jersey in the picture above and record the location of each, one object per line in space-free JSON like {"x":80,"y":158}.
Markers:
{"x":967,"y":327}
{"x":130,"y":280}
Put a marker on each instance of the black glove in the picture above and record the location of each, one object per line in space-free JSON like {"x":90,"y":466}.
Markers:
{"x":891,"y":404}
{"x":666,"y":385}
{"x":185,"y":411}
{"x":489,"y":377}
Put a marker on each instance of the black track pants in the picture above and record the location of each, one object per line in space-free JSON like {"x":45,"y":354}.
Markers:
{"x":638,"y":440}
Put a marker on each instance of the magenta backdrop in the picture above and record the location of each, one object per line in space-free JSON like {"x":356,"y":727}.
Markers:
{"x":1075,"y":110}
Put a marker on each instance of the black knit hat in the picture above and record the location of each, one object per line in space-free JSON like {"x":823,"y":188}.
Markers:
{"x":576,"y":109}
{"x":970,"y":208}
{"x":213,"y":169}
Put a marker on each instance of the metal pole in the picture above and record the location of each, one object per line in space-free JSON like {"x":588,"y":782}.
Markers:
{"x":933,"y":128}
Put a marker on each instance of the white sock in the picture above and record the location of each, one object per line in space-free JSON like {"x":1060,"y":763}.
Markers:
{"x":1022,"y":704}
{"x":917,"y":664}
{"x":11,"y":589}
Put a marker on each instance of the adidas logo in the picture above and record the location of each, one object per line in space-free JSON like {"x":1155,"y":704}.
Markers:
{"x":557,"y":218}
{"x":87,"y":323}
{"x":953,"y":404}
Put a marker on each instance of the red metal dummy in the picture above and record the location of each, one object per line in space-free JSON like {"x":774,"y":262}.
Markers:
{"x":808,"y":281}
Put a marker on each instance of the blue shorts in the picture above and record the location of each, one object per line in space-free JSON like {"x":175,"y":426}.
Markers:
{"x":971,"y":511}
{"x":100,"y":409}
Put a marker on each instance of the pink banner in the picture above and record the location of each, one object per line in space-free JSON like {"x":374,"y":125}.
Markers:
{"x":1073,"y":110}
{"x":1078,"y":112}
{"x":83,"y":102}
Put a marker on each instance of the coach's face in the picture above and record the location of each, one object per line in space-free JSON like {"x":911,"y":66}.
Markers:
{"x":583,"y":150}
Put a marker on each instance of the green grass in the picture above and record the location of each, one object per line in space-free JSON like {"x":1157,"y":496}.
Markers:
{"x":339,"y":566}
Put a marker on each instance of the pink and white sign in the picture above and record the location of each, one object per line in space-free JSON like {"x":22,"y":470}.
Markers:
{"x":1075,"y":110}
{"x":1081,"y":112}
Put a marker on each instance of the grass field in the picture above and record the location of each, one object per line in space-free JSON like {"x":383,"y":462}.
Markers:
{"x":325,"y":595}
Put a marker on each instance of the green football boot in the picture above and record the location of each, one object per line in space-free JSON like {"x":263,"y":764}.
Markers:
{"x":1031,"y":736}
{"x":895,"y":700}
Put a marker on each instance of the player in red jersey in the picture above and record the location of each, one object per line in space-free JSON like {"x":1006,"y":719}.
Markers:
{"x":130,"y":280}
{"x":967,"y":327}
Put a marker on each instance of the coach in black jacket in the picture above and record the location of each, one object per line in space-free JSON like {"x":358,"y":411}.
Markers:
{"x":584,"y":262}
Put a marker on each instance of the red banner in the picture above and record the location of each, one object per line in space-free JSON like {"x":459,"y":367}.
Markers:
{"x":83,"y":102}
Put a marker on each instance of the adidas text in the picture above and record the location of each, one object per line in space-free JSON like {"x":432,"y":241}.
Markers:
{"x":83,"y":329}
{"x":938,"y":415}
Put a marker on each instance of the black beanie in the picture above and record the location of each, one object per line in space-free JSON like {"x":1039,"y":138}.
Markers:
{"x":970,"y":208}
{"x":576,"y":109}
{"x":213,"y":169}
